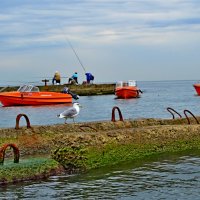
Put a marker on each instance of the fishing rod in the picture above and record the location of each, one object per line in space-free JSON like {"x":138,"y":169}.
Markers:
{"x":79,"y":60}
{"x":76,"y":54}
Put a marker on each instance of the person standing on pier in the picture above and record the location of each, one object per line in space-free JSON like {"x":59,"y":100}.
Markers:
{"x":56,"y":78}
{"x":89,"y":77}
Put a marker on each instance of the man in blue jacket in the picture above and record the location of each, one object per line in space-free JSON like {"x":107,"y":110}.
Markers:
{"x":89,"y":77}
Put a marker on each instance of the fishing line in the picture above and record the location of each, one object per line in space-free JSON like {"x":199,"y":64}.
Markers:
{"x":79,"y":60}
{"x":76,"y":55}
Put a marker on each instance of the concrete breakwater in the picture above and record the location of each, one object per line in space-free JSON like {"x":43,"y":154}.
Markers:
{"x":82,"y":90}
{"x":84,"y":146}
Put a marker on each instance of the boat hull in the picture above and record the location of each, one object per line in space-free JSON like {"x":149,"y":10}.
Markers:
{"x":33,"y":98}
{"x":127,"y":92}
{"x":197,"y":88}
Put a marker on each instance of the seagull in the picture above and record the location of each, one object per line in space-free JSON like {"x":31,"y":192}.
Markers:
{"x":70,"y":112}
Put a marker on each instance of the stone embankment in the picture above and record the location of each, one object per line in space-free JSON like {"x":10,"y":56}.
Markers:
{"x":82,"y":90}
{"x":84,"y":146}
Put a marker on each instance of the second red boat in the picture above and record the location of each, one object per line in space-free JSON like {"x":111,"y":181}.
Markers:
{"x":127,"y":89}
{"x":197,"y":88}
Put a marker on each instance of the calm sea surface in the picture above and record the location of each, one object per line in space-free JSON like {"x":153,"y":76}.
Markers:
{"x":156,"y":97}
{"x":165,"y":177}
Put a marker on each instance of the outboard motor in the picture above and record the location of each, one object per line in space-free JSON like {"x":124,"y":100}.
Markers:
{"x":74,"y":96}
{"x":66,"y":90}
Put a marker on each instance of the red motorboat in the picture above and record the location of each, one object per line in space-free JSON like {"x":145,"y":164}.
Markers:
{"x":30,"y":95}
{"x":127,"y":89}
{"x":197,"y":88}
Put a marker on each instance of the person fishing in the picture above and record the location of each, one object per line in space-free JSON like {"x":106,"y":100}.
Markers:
{"x":56,"y":78}
{"x":73,"y":79}
{"x":89,"y":77}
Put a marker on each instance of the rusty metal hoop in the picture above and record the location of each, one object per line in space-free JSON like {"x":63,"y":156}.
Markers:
{"x":18,"y":118}
{"x":86,"y":126}
{"x":185,"y":111}
{"x":15,"y":151}
{"x":113,"y":114}
{"x":171,"y":109}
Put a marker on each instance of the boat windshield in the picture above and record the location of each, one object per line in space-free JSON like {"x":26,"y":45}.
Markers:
{"x":126,"y":83}
{"x":132,"y":83}
{"x":119,"y":84}
{"x":28,"y":88}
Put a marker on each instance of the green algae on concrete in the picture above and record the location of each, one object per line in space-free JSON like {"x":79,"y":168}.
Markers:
{"x":28,"y":169}
{"x":90,"y":158}
{"x":99,"y":150}
{"x":104,"y":143}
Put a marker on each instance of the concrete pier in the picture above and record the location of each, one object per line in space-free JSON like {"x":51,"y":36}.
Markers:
{"x":85,"y":146}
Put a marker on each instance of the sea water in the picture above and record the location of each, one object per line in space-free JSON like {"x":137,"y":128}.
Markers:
{"x":174,"y":176}
{"x":155,"y":99}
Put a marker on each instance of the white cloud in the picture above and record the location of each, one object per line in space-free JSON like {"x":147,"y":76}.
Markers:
{"x":95,"y":18}
{"x":96,"y":24}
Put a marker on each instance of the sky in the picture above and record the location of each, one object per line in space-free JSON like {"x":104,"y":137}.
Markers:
{"x":144,"y":40}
